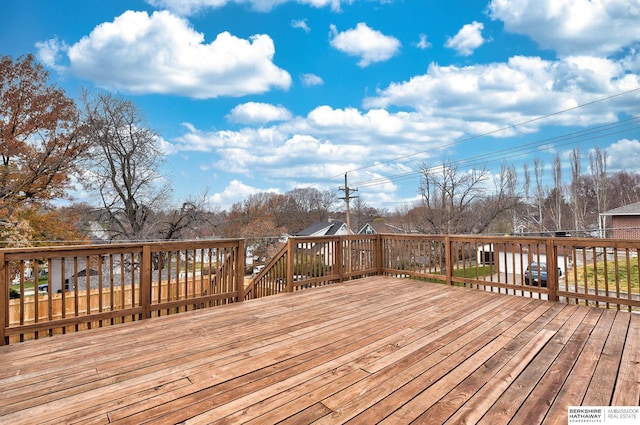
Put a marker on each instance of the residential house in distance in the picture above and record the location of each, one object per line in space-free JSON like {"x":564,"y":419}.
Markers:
{"x":329,"y":228}
{"x":380,"y":227}
{"x":621,"y":223}
{"x":324,"y":253}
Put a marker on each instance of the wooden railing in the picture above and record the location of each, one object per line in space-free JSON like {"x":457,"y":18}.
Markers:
{"x":311,"y":262}
{"x":594,"y":272}
{"x":54,"y":290}
{"x":67,"y":289}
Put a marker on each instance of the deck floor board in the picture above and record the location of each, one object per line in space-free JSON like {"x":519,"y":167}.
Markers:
{"x":371,"y":350}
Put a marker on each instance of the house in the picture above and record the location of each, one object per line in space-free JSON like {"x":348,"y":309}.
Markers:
{"x":322,"y":251}
{"x":624,"y":222}
{"x":330,"y":228}
{"x":379,"y":227}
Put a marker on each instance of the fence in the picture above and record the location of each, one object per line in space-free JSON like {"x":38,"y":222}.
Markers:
{"x":594,"y":272}
{"x":67,"y":289}
{"x":317,"y":261}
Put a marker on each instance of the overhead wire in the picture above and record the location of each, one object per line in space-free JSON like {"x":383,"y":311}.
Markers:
{"x":513,"y":152}
{"x":570,"y":138}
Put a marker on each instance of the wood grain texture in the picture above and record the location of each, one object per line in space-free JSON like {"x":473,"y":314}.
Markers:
{"x":371,"y":350}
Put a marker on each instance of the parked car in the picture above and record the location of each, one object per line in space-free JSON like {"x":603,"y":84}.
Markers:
{"x":69,"y":283}
{"x":43,"y":288}
{"x":536,"y":274}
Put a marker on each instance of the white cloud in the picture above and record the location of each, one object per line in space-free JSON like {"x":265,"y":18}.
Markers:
{"x":467,"y":39}
{"x":192,"y":7}
{"x":309,"y":80}
{"x":187,"y":7}
{"x":235,"y":192}
{"x":300,"y":24}
{"x":491,"y":96}
{"x":162,"y":53}
{"x":258,"y":113}
{"x":423,"y":43}
{"x":572,"y":27}
{"x":49,"y":52}
{"x":368,"y":44}
{"x":623,"y":155}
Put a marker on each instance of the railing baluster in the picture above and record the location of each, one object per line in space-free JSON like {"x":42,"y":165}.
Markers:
{"x":140,"y":281}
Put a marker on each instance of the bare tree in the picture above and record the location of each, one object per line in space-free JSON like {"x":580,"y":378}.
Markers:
{"x":578,"y":202}
{"x":497,"y":209}
{"x":362,"y":214}
{"x":125,"y":164}
{"x":598,"y":167}
{"x":626,"y":187}
{"x":527,"y":193}
{"x":448,"y":195}
{"x":556,"y":193}
{"x":313,"y":201}
{"x":538,"y":169}
{"x":192,"y":220}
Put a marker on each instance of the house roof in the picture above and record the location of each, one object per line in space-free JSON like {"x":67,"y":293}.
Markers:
{"x":323,"y":229}
{"x":379,"y":227}
{"x":631,"y":209}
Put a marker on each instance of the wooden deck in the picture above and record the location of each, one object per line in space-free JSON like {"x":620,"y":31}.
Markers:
{"x":380,"y":349}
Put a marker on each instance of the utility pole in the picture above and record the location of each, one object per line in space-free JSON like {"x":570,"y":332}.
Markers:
{"x":347,"y":197}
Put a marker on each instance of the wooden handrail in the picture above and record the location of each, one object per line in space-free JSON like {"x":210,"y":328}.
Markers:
{"x":99,"y":285}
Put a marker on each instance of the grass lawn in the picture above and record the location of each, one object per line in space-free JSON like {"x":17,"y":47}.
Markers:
{"x":29,"y":284}
{"x":598,"y":272}
{"x":473,"y":272}
{"x":470,"y":272}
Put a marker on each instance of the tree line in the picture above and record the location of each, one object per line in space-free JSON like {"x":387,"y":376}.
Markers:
{"x":101,"y":143}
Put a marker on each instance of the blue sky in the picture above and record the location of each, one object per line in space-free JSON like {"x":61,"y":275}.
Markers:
{"x":269,"y":95}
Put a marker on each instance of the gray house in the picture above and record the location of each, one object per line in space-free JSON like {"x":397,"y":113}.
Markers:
{"x":330,"y":228}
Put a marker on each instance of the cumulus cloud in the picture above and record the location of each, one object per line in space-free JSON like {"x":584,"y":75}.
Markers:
{"x":572,"y":27}
{"x":368,"y":44}
{"x":467,"y":40}
{"x":418,"y":119}
{"x":300,"y":24}
{"x":624,"y":155}
{"x":309,"y":80}
{"x":258,"y":113}
{"x":162,"y":53}
{"x":50,"y":52}
{"x":500,"y":94}
{"x":191,"y":7}
{"x":290,"y":151}
{"x":235,"y":191}
{"x":422,"y":42}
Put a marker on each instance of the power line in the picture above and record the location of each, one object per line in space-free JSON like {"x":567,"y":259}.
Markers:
{"x":565,"y":139}
{"x":512,"y":126}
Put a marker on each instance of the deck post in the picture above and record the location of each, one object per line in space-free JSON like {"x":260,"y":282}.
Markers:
{"x":448,"y":260}
{"x":552,"y":269}
{"x":240,"y":261}
{"x":290,"y":261}
{"x":339,"y":256}
{"x":378,"y":254}
{"x":4,"y":290}
{"x":145,"y":282}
